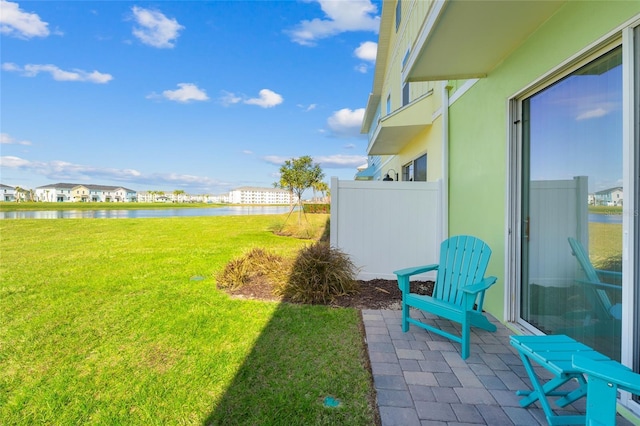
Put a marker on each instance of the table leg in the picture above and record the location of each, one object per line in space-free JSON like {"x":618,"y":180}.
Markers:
{"x":575,"y":394}
{"x":539,"y":391}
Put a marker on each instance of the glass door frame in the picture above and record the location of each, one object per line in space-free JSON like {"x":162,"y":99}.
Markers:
{"x":628,"y":36}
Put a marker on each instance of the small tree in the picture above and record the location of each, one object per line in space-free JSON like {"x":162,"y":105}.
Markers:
{"x":297,"y":175}
{"x":179,"y":195}
{"x":18,"y":193}
{"x":322,"y":188}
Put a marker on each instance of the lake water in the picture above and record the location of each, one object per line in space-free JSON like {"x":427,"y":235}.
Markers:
{"x":145,"y":213}
{"x":605,"y":218}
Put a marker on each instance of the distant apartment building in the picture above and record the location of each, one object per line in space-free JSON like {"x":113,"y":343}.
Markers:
{"x":254,"y":195}
{"x":8,"y":192}
{"x":72,"y":192}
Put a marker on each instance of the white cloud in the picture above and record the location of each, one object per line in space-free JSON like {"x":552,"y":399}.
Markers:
{"x":32,"y":70}
{"x":337,"y":161}
{"x":155,"y":29}
{"x":367,"y":51}
{"x":350,"y":146}
{"x":340,"y":161}
{"x":17,"y":23}
{"x":6,"y":139}
{"x":341,"y":16}
{"x":362,"y":68}
{"x":593,"y":113}
{"x":267,"y":99}
{"x":229,"y":98}
{"x":247,"y":152}
{"x":346,"y":122}
{"x":276,"y":160}
{"x":63,"y":170}
{"x":307,"y":108}
{"x":187,"y":92}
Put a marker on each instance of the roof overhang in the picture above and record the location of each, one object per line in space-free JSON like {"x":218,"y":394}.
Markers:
{"x":467,"y":39}
{"x":395,"y":130}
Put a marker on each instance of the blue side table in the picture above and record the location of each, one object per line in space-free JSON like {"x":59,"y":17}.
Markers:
{"x":554,"y":353}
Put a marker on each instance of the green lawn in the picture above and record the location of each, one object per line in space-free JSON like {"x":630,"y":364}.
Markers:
{"x":118,"y":321}
{"x":605,"y":246}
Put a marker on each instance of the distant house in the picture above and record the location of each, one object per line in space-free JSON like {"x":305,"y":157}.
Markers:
{"x":254,"y":195}
{"x":8,"y":192}
{"x":609,"y":197}
{"x":72,"y":192}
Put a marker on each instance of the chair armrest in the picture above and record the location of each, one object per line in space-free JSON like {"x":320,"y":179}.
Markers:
{"x":481,"y":286}
{"x":606,"y":273}
{"x":610,"y":277}
{"x":618,"y":374}
{"x":407,"y":272}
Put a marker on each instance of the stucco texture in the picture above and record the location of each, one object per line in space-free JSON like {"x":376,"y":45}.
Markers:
{"x":479,"y":127}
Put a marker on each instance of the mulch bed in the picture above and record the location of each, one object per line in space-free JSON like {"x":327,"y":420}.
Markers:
{"x":374,"y":294}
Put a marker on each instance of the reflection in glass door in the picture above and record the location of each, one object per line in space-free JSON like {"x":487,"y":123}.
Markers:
{"x":572,"y":198}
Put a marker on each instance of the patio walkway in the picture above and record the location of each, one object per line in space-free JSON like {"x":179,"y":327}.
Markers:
{"x":420,"y":378}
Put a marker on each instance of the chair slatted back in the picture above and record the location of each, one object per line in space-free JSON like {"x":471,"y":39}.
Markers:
{"x":463,"y":261}
{"x":583,"y":259}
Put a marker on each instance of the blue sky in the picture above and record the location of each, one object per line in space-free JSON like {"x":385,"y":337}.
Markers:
{"x":198,"y":96}
{"x":576,"y":126}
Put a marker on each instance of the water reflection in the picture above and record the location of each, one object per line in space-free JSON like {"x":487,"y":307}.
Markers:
{"x":605,"y":218}
{"x":145,"y":213}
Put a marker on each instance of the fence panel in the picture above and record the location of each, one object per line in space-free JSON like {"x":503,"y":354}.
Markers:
{"x":385,"y":226}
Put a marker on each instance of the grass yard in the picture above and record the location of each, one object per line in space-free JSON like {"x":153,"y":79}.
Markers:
{"x":120,"y":322}
{"x":605,"y":246}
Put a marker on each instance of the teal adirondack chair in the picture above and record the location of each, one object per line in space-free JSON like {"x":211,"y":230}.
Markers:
{"x":459,"y":289}
{"x":603,"y":383}
{"x":593,"y":279}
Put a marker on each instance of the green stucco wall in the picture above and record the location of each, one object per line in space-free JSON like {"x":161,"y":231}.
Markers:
{"x":478,"y":127}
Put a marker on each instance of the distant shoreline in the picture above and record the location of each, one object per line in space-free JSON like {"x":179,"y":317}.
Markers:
{"x":11,"y":206}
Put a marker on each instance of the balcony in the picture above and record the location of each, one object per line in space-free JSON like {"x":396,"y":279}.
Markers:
{"x":397,"y":129}
{"x":468,"y":39}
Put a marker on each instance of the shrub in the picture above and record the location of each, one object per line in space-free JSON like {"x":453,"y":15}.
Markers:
{"x":317,"y":208}
{"x":256,"y":264}
{"x":319,"y":274}
{"x":312,"y":228}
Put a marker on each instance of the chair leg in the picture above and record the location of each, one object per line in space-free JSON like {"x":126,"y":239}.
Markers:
{"x":405,"y":316}
{"x":601,"y":402}
{"x":466,"y":336}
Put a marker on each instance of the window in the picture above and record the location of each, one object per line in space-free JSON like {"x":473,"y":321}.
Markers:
{"x":416,"y":170}
{"x":407,"y":172}
{"x":406,"y":58}
{"x":398,"y":14}
{"x":389,"y":104}
{"x":572,"y":147}
{"x":405,"y":94}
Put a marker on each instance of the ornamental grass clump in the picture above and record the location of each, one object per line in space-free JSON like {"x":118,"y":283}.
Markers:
{"x":319,"y":274}
{"x":257,"y":264}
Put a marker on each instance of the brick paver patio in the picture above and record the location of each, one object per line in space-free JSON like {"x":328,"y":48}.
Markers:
{"x":420,"y":378}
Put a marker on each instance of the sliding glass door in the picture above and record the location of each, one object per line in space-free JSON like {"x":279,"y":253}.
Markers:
{"x":572,"y":200}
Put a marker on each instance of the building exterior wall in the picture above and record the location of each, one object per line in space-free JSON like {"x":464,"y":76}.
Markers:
{"x":479,"y":127}
{"x":251,"y":195}
{"x":84,"y":193}
{"x":8,"y":193}
{"x":429,"y":140}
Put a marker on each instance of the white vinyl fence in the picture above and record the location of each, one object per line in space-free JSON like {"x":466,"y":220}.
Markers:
{"x":385,"y":226}
{"x":558,"y":210}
